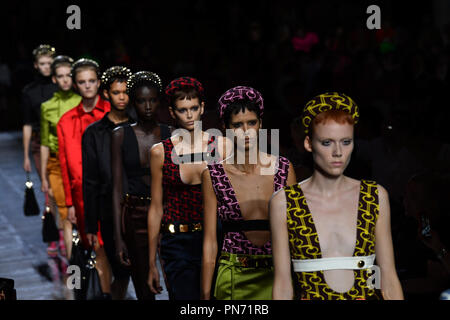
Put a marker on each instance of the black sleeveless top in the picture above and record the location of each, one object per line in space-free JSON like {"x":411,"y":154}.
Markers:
{"x":133,"y":171}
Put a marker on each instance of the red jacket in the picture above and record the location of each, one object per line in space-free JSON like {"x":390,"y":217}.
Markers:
{"x":70,"y":130}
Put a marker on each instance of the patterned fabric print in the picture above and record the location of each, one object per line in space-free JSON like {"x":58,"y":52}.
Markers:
{"x":182,"y":202}
{"x":229,"y":209}
{"x":280,"y":178}
{"x":240,"y":93}
{"x":328,"y":101}
{"x":304,"y":244}
{"x":183,"y":82}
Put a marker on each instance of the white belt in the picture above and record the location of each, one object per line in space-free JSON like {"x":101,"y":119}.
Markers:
{"x":336,"y":263}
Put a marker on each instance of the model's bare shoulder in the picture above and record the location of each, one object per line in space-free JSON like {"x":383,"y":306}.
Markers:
{"x":278,"y":196}
{"x":157,"y":150}
{"x":352,"y":182}
{"x":205,"y":174}
{"x":383,"y":195}
{"x":278,"y":204}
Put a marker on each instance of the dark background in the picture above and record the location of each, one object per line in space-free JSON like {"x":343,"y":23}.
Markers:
{"x":399,"y":77}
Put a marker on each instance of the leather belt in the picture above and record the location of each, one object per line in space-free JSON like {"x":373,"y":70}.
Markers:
{"x":248,"y":261}
{"x":53,"y":155}
{"x":335,"y":263}
{"x":177,"y":228}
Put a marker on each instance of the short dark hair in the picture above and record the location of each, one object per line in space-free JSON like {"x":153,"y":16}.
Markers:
{"x":149,"y":84}
{"x":60,"y":61}
{"x":143,"y":79}
{"x":184,"y":93}
{"x":238,"y":106}
{"x":116,"y":73}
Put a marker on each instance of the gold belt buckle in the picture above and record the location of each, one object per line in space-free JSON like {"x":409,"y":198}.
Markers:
{"x":184,"y":227}
{"x":243,"y":261}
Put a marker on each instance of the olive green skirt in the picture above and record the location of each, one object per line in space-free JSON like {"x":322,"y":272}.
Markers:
{"x":239,"y":279}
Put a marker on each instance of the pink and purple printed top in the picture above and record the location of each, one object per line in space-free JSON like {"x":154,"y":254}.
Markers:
{"x":229,"y":210}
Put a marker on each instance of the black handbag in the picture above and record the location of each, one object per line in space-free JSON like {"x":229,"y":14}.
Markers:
{"x":93,"y":286}
{"x":78,"y":257}
{"x":30,"y":205}
{"x":7,"y":291}
{"x":49,"y":230}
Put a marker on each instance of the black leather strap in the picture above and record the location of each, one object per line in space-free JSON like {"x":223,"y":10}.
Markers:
{"x":246,"y":225}
{"x":165,"y":131}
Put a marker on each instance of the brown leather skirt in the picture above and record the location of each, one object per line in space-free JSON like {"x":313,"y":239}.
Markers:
{"x":135,"y":235}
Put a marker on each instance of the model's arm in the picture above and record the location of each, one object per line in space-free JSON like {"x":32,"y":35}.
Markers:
{"x":117,"y":176}
{"x":26,"y":132}
{"x":65,"y":171}
{"x":209,"y":235}
{"x":63,"y":163}
{"x":45,"y":151}
{"x":26,"y":137}
{"x":282,"y":285}
{"x":155,"y":213}
{"x":390,"y":284}
{"x":91,"y":184}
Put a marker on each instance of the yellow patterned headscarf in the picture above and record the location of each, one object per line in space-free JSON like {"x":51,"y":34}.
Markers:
{"x":328,"y":101}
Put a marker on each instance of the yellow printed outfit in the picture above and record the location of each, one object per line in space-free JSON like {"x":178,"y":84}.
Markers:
{"x":304,"y":244}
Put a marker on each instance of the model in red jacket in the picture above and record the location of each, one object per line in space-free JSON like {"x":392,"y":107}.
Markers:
{"x":70,"y":129}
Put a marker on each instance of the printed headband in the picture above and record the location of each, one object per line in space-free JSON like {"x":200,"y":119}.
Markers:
{"x":240,"y":93}
{"x":142,"y":77}
{"x":328,"y":101}
{"x":184,"y":82}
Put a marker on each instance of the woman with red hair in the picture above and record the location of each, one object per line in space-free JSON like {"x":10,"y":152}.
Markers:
{"x":331,"y":227}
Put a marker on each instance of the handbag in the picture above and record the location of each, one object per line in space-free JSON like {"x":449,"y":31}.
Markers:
{"x":78,"y":257}
{"x":30,"y":205}
{"x":50,"y":232}
{"x":7,"y":291}
{"x":93,"y":286}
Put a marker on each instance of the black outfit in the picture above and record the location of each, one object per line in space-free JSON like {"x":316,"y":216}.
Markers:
{"x":181,"y":255}
{"x":132,"y":165}
{"x":98,"y":185}
{"x":33,"y":95}
{"x":135,"y":210}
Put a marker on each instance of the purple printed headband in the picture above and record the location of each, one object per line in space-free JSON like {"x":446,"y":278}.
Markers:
{"x":240,"y":93}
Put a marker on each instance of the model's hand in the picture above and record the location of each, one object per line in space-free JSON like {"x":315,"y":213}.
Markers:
{"x":26,"y":164}
{"x":153,"y":280}
{"x":122,"y":253}
{"x":92,"y":239}
{"x":44,"y":185}
{"x":71,"y":215}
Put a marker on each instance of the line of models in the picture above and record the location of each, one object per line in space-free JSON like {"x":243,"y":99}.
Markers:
{"x":116,"y":174}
